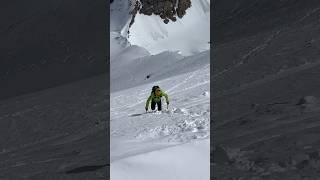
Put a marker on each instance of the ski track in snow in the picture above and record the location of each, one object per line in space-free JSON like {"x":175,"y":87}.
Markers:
{"x":187,"y":118}
{"x":160,"y":145}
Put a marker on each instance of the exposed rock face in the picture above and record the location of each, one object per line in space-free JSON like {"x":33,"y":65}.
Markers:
{"x":166,"y":9}
{"x":183,"y":5}
{"x":135,"y":10}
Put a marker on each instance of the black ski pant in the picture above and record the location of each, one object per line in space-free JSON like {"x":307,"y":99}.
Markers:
{"x":153,"y":105}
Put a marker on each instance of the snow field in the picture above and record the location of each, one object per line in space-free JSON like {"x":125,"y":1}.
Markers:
{"x":192,"y":159}
{"x":136,"y":137}
{"x":174,"y":143}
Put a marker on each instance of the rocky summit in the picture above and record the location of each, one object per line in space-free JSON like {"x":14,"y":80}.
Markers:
{"x":166,"y":9}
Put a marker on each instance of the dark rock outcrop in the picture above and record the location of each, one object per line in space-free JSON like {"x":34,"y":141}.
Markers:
{"x":183,"y":5}
{"x":166,"y":9}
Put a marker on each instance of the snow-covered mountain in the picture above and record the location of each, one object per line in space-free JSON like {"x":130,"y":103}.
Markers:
{"x":49,"y":132}
{"x":189,"y":33}
{"x":136,"y":137}
{"x":58,"y":133}
{"x":151,"y":48}
{"x":266,"y":100}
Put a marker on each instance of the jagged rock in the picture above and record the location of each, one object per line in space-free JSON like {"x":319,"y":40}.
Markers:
{"x":183,"y":5}
{"x":136,"y":8}
{"x":174,"y":19}
{"x":166,"y":9}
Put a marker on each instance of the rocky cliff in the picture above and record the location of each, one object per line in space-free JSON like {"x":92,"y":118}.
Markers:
{"x":166,"y":9}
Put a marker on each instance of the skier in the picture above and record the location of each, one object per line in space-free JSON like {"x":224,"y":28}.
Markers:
{"x":155,"y":98}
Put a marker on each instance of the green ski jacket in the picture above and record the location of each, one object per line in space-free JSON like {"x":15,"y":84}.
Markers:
{"x":156,"y":98}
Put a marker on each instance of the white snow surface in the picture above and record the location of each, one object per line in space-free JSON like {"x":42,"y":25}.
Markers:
{"x":188,"y":35}
{"x":126,"y":72}
{"x":164,"y":144}
{"x":119,"y":17}
{"x":172,"y":144}
{"x":191,"y":159}
{"x":119,"y":14}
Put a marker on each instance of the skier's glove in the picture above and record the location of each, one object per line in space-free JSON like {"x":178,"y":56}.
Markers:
{"x":167,"y":103}
{"x":146,"y":109}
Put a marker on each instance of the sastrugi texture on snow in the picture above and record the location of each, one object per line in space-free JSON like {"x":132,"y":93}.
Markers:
{"x":57,"y":133}
{"x":54,"y":90}
{"x":159,"y":114}
{"x":266,"y":100}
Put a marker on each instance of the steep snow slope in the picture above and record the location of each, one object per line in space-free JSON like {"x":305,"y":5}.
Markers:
{"x":267,"y":92}
{"x":119,"y":14}
{"x":155,"y":53}
{"x":188,"y":35}
{"x":187,"y":119}
{"x":58,"y":133}
{"x":126,"y":73}
{"x":171,"y":160}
